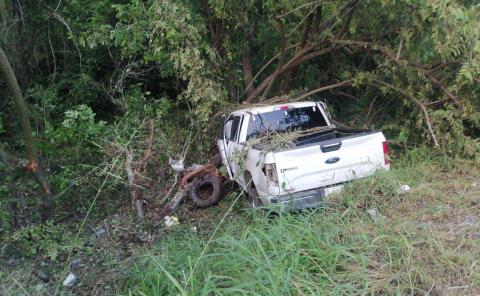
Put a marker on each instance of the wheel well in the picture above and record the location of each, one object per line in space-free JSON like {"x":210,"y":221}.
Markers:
{"x":249,"y":179}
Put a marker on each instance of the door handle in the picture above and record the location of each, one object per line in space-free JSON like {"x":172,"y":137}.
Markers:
{"x":331,"y":147}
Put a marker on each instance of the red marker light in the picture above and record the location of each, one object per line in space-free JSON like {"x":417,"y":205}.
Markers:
{"x":386,"y":150}
{"x":284,"y":107}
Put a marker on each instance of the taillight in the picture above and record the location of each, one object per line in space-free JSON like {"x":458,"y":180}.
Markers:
{"x":270,"y":172}
{"x":386,"y":150}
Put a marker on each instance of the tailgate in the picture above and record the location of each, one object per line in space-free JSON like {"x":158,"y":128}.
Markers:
{"x":330,"y":162}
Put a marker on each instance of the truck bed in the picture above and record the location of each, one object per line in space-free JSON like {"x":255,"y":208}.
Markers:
{"x":330,"y":134}
{"x":331,"y":158}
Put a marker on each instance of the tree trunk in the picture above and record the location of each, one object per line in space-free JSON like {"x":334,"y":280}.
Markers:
{"x":247,"y":71}
{"x":303,"y":43}
{"x":45,"y":201}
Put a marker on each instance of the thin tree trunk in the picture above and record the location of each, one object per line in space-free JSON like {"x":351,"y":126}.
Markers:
{"x":303,"y":43}
{"x":281,"y":60}
{"x":45,"y":200}
{"x":247,"y":71}
{"x":302,"y":56}
{"x":295,"y":61}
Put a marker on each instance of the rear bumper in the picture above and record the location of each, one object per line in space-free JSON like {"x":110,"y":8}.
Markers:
{"x":311,"y":198}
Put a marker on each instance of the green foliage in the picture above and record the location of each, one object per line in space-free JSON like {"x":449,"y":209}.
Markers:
{"x":42,"y":239}
{"x":332,"y":251}
{"x":5,"y":198}
{"x":2,"y":129}
{"x":94,"y":72}
{"x":78,"y":127}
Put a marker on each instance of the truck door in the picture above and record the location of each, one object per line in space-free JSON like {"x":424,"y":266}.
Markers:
{"x":231,"y":135}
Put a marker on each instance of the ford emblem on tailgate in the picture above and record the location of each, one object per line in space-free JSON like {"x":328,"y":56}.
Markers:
{"x":332,"y":160}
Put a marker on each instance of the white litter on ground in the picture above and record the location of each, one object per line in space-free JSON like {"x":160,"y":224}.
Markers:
{"x":403,"y":189}
{"x":373,"y":212}
{"x":70,"y":280}
{"x":171,"y":220}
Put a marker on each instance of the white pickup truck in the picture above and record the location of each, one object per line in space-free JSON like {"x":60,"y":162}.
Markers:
{"x":313,"y":164}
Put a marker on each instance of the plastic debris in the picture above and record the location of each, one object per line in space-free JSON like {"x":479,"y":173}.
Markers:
{"x":470,"y":221}
{"x":177,"y":164}
{"x":100,"y":231}
{"x":373,"y":212}
{"x":403,"y":189}
{"x":75,"y":263}
{"x":70,"y":280}
{"x":171,"y":220}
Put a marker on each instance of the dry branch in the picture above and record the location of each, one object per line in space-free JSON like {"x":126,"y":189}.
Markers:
{"x":134,"y":172}
{"x":345,"y":83}
{"x":299,"y":58}
{"x":416,"y":101}
{"x":247,"y":70}
{"x":280,"y":61}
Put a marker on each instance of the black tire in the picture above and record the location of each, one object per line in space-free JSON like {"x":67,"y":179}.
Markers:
{"x":206,"y":190}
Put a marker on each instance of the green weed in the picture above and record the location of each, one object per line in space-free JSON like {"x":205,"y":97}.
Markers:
{"x":332,"y":251}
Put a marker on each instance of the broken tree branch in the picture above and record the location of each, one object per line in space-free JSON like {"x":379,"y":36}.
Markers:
{"x":133,"y":183}
{"x":399,"y":52}
{"x":318,"y":18}
{"x":281,"y":60}
{"x":343,"y":94}
{"x":185,"y":148}
{"x":303,"y":42}
{"x":442,"y":87}
{"x":345,"y":9}
{"x":345,"y":83}
{"x":416,"y":101}
{"x":134,"y":171}
{"x":297,"y":59}
{"x":293,"y":62}
{"x":265,"y":66}
{"x":247,"y":70}
{"x":346,"y":23}
{"x":148,"y":152}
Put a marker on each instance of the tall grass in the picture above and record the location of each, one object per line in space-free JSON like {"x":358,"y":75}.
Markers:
{"x":336,"y":250}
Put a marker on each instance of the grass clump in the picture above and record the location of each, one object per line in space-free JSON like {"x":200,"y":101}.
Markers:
{"x":419,"y":243}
